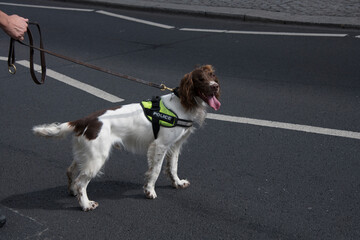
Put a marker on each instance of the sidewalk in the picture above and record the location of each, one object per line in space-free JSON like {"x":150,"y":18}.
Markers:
{"x":339,"y":13}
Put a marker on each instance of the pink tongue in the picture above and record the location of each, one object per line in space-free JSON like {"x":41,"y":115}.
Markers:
{"x":213,"y":102}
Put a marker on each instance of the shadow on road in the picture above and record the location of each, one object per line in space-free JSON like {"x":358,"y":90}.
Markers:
{"x":58,"y":198}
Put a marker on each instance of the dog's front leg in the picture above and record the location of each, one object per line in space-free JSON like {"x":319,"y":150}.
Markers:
{"x":156,"y":154}
{"x":172,"y":158}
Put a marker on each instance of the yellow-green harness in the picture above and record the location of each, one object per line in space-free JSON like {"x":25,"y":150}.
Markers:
{"x":159,"y":115}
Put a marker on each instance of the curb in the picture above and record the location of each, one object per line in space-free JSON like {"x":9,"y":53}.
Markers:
{"x":227,"y":12}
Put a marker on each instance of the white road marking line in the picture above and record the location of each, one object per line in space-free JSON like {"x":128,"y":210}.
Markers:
{"x":83,"y":86}
{"x":46,"y":7}
{"x":264,"y":33}
{"x":135,"y":20}
{"x":24,"y":216}
{"x":287,"y":126}
{"x":74,"y":83}
{"x":202,"y":30}
{"x":357,"y":36}
{"x":184,"y":29}
{"x":289,"y":34}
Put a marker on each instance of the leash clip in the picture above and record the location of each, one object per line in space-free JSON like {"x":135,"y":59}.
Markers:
{"x":163,"y":88}
{"x":12,"y":69}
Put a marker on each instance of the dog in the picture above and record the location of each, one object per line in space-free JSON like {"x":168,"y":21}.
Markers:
{"x":129,"y":128}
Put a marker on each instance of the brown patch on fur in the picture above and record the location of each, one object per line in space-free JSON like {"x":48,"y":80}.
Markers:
{"x":195,"y":83}
{"x":89,"y":126}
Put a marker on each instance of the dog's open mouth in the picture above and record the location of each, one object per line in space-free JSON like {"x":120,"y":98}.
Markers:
{"x":211,"y":100}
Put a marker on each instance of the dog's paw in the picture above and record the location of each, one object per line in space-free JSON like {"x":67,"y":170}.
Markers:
{"x":182,"y":184}
{"x":90,"y":206}
{"x":150,"y":193}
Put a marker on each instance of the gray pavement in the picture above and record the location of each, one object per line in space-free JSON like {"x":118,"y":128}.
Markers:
{"x":339,"y":13}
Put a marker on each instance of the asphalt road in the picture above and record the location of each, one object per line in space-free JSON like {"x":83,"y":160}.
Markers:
{"x":247,"y":181}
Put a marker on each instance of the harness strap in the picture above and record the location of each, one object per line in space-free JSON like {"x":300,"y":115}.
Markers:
{"x":155,"y":107}
{"x":155,"y":115}
{"x":183,"y":123}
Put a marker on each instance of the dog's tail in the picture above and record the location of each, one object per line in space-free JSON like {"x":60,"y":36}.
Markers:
{"x":58,"y":130}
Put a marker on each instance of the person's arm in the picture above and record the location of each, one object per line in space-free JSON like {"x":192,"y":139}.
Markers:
{"x":14,"y":25}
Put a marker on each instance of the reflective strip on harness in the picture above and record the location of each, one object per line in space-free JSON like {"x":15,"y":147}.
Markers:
{"x":166,"y":117}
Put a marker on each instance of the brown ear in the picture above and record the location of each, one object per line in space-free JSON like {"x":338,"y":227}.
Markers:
{"x":186,"y":91}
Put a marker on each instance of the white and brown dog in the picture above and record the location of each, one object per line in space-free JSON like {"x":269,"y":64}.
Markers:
{"x":129,"y":128}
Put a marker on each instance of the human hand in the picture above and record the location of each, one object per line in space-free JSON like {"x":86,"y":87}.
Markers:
{"x":16,"y":27}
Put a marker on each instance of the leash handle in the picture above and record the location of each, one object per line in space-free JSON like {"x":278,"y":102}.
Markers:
{"x":42,"y":56}
{"x":11,"y":56}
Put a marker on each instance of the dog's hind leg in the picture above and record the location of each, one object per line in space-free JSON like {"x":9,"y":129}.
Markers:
{"x":89,"y":171}
{"x":81,"y":184}
{"x":156,"y":155}
{"x":89,"y":163}
{"x":72,"y":172}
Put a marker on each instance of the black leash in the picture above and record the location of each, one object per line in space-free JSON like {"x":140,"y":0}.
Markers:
{"x":11,"y":57}
{"x":12,"y":67}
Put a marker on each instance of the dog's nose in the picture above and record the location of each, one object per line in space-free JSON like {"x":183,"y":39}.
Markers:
{"x":215,"y":87}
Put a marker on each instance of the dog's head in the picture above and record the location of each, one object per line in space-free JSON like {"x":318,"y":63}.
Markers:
{"x":200,"y":83}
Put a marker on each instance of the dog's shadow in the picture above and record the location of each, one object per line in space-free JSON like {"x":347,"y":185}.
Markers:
{"x":58,"y":198}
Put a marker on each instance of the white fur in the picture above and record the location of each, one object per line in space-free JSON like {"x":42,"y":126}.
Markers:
{"x":127,"y":128}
